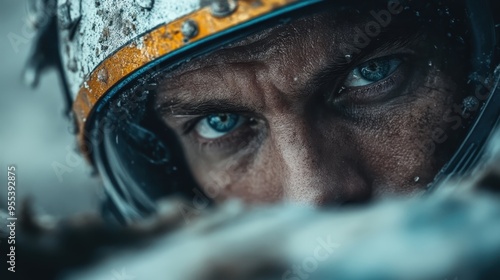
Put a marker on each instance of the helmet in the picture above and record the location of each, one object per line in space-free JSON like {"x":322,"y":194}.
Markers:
{"x":112,"y":55}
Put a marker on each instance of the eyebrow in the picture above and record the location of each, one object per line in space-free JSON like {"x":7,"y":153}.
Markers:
{"x":179,"y":107}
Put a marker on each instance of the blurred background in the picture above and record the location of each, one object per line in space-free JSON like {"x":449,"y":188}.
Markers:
{"x":35,"y":134}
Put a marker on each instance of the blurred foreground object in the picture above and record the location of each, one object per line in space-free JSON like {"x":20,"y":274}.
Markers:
{"x":455,"y":232}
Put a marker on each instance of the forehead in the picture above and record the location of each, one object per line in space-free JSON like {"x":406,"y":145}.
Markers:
{"x":325,"y":29}
{"x":317,"y":41}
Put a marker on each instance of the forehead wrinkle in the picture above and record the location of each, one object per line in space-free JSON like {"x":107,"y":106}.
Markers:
{"x":215,"y":83}
{"x":216,"y":73}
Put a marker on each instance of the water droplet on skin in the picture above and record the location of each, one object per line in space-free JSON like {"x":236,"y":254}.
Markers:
{"x":295,"y":79}
{"x":416,"y":179}
{"x":430,"y":63}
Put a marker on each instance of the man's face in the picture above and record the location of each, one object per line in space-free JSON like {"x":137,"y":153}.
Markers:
{"x":287,"y":114}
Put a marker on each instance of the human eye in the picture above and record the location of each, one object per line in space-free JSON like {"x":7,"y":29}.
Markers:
{"x":215,"y":126}
{"x":377,"y":80}
{"x":372,"y":71}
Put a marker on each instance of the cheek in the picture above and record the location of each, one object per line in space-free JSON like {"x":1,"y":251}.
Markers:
{"x":251,"y":178}
{"x":400,"y":144}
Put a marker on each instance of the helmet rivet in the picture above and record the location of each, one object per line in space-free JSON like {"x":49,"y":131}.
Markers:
{"x":189,"y":29}
{"x":102,"y":76}
{"x":146,"y":4}
{"x":222,"y":8}
{"x":85,"y":98}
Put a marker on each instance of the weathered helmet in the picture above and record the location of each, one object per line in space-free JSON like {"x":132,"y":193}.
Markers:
{"x":110,"y":53}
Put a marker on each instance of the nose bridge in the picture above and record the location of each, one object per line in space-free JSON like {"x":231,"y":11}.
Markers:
{"x":304,"y":179}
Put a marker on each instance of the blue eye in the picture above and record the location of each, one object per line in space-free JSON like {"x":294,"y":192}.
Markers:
{"x":372,"y":71}
{"x":217,"y":125}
